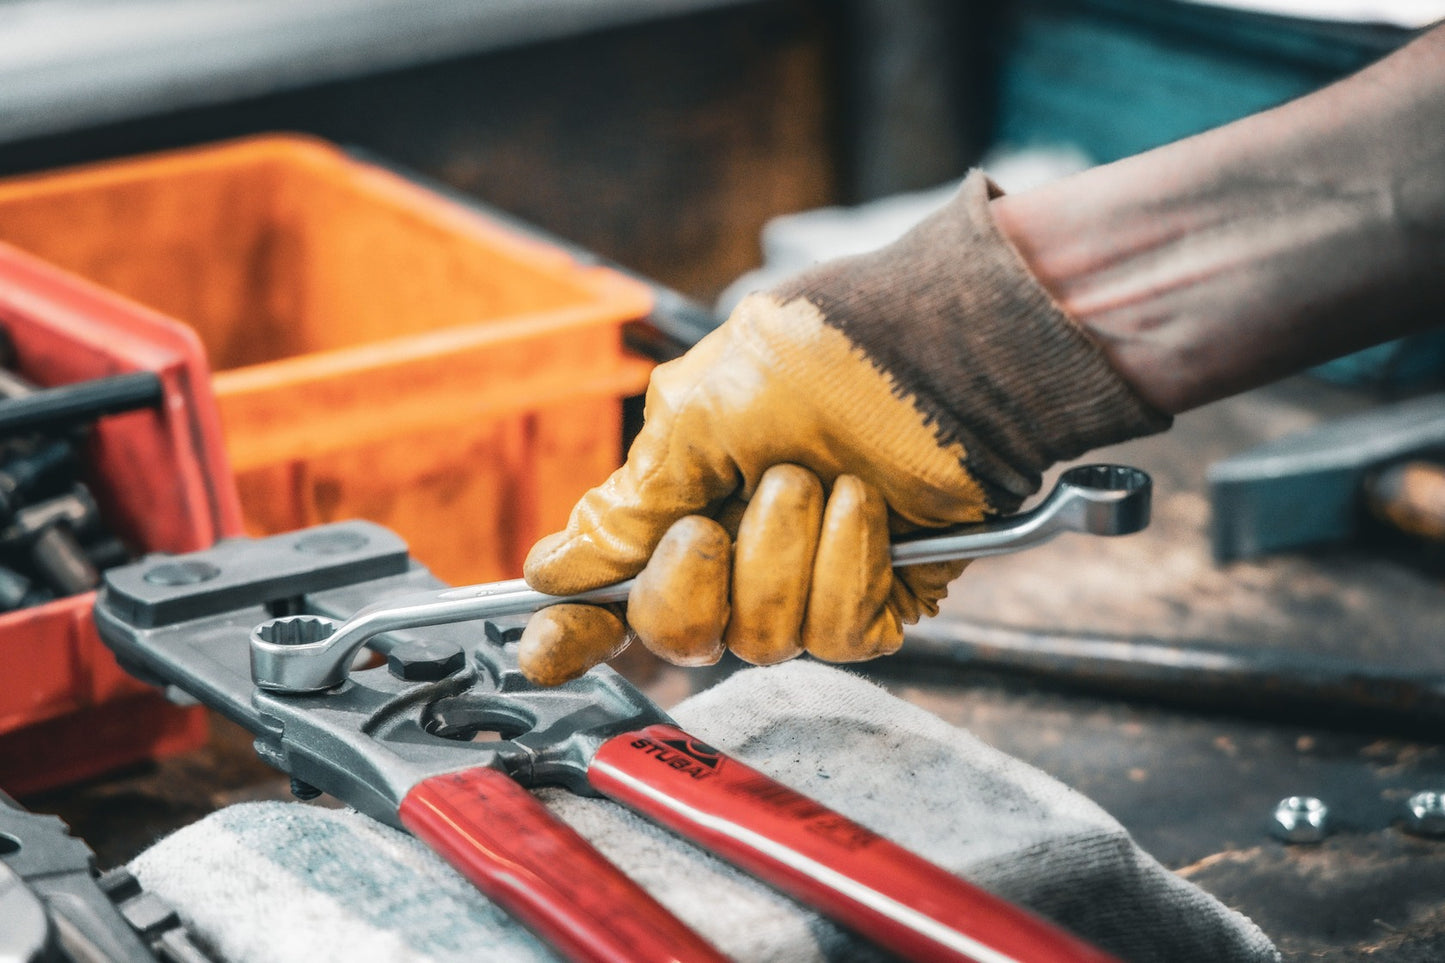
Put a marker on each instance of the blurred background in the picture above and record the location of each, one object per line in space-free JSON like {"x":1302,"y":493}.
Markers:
{"x":665,"y":133}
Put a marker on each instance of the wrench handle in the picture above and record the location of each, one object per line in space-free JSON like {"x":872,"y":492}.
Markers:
{"x":861,"y":880}
{"x":538,"y":869}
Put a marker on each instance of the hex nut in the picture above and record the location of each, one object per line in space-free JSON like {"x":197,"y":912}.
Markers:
{"x":1300,"y":819}
{"x":425,"y":661}
{"x":1425,"y":814}
{"x":332,"y":542}
{"x":505,"y":629}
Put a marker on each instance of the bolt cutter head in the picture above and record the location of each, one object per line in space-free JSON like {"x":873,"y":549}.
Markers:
{"x":187,"y":623}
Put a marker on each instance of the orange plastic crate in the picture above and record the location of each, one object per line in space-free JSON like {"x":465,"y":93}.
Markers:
{"x":379,"y":351}
{"x":67,"y":711}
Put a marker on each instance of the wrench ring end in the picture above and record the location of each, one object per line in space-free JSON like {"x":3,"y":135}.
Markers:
{"x":1115,"y":499}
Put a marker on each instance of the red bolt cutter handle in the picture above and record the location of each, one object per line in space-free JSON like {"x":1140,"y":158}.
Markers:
{"x":542,"y":872}
{"x":868,"y":884}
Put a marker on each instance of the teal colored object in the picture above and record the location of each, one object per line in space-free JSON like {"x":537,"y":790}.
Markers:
{"x":1411,"y":362}
{"x":1118,"y":77}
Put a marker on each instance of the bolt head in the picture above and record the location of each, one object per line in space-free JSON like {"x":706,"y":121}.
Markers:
{"x":1300,"y":819}
{"x":425,"y":661}
{"x":505,"y":629}
{"x":295,"y":630}
{"x":332,"y":542}
{"x":181,"y":573}
{"x":1425,"y":814}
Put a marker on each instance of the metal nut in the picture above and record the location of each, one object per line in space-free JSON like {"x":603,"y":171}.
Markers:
{"x":1425,"y":814}
{"x":505,"y":629}
{"x":1300,"y":819}
{"x":425,"y":661}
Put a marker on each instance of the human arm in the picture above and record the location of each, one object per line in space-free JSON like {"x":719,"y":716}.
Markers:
{"x":932,"y":381}
{"x":1229,"y":259}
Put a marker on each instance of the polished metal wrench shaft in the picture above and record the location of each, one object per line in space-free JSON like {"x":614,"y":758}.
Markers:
{"x":1092,"y":499}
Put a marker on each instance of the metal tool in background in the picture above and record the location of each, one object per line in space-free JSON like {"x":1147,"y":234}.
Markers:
{"x":444,"y":738}
{"x":1318,"y":486}
{"x":1202,"y":674}
{"x":75,"y":405}
{"x":52,"y":543}
{"x":56,"y":907}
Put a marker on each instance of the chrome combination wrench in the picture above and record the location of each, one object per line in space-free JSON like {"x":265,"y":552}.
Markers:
{"x":1093,"y":499}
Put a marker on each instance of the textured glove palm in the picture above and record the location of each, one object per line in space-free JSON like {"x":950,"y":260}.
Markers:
{"x":923,"y":385}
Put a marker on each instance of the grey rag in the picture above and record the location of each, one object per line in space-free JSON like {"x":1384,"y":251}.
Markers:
{"x":289,"y":882}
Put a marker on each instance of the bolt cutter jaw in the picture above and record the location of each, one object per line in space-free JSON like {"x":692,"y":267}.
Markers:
{"x":370,"y":739}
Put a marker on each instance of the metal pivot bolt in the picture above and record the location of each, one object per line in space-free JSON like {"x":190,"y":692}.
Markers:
{"x":1300,"y":819}
{"x":425,"y":660}
{"x":1425,"y":814}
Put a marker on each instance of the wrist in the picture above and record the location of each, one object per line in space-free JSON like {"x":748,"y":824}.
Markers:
{"x":952,"y":316}
{"x":1227,"y":260}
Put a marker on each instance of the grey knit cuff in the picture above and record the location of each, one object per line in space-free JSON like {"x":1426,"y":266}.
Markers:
{"x":1068,"y":396}
{"x":952,"y":315}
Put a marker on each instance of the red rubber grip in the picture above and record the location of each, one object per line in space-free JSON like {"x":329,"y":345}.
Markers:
{"x":851,"y":874}
{"x":541,"y":871}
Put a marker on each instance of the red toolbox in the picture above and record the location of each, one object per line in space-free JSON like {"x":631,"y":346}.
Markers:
{"x":163,"y":483}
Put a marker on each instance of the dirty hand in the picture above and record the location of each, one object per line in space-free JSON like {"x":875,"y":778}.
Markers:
{"x":919,"y":386}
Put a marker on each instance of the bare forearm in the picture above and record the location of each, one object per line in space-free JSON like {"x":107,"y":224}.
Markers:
{"x":1227,"y":260}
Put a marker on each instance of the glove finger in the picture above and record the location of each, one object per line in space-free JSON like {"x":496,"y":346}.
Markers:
{"x":730,"y":515}
{"x":848,"y":617}
{"x":917,"y":589}
{"x":679,"y":604}
{"x":773,"y":565}
{"x":561,"y":642}
{"x":674,"y":468}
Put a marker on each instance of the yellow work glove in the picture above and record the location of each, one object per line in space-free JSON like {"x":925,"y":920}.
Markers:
{"x":922,"y":385}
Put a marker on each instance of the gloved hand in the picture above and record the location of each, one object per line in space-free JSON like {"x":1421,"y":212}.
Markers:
{"x":925,"y":384}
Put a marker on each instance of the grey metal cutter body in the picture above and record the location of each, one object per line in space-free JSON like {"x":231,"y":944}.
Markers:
{"x":185,"y":623}
{"x":1093,"y":499}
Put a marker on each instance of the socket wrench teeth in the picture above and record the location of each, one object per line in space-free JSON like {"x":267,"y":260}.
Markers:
{"x":295,"y":630}
{"x":276,"y":643}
